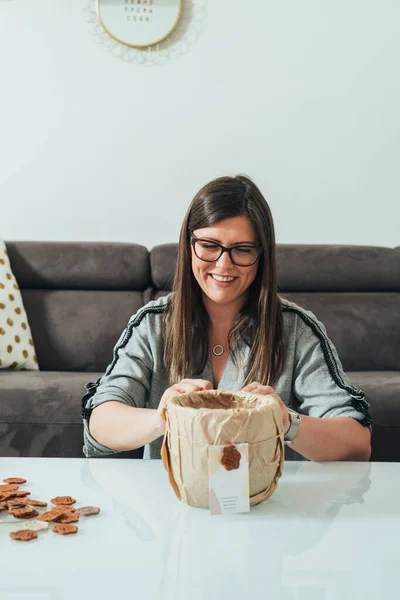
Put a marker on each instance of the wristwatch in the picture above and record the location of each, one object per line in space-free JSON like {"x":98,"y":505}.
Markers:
{"x":294,"y":419}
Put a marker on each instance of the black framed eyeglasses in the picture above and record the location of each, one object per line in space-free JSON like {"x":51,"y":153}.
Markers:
{"x":242,"y":255}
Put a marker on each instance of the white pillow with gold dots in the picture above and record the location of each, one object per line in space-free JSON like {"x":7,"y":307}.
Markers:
{"x":16,"y":345}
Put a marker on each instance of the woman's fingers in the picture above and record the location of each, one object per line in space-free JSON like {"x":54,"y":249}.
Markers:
{"x":203,"y":384}
{"x":185,"y":386}
{"x":257,"y":387}
{"x":267,"y":390}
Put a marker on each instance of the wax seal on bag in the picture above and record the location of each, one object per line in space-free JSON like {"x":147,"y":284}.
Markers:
{"x":230,"y":458}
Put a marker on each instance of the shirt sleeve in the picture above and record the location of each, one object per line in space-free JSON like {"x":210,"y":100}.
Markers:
{"x":127,"y":379}
{"x":320,"y":384}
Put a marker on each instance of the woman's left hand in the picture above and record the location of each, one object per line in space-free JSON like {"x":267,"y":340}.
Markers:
{"x":267,"y":390}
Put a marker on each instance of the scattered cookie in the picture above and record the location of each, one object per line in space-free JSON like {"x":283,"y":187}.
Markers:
{"x":17,"y":502}
{"x":48,"y":517}
{"x":62,"y":513}
{"x":18,"y":480}
{"x":65,"y":519}
{"x":63,"y":508}
{"x":63,"y":500}
{"x":86,"y":511}
{"x":35,"y":502}
{"x":19,"y":506}
{"x":8,"y":487}
{"x":7,"y":496}
{"x":23,"y":513}
{"x":230,"y":458}
{"x":23,"y":535}
{"x":65,"y":529}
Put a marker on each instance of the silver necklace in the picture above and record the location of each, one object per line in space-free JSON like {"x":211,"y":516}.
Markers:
{"x":218,"y":350}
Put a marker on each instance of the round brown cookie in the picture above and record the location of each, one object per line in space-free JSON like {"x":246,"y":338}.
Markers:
{"x":65,"y":529}
{"x":65,"y":519}
{"x":230,"y":458}
{"x":86,"y":511}
{"x":48,"y":517}
{"x":18,"y":480}
{"x":23,"y":535}
{"x":22,"y":493}
{"x":23,"y":513}
{"x":63,"y":500}
{"x":35,"y":502}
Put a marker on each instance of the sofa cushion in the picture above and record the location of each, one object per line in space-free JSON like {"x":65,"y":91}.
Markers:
{"x":358,"y":324}
{"x":310,"y":268}
{"x":382,"y":390}
{"x":42,"y":396}
{"x":76,"y":330}
{"x":40,"y":414}
{"x":17,"y":350}
{"x":80,"y":265}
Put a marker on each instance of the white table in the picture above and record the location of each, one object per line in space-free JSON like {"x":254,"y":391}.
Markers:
{"x":330,"y":531}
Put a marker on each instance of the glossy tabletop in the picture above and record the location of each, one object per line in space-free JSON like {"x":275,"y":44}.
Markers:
{"x":329,"y":531}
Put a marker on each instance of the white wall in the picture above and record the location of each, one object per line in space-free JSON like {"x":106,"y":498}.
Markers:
{"x":302,"y":96}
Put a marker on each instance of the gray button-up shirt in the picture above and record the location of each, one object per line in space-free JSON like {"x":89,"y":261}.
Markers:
{"x":312,"y":382}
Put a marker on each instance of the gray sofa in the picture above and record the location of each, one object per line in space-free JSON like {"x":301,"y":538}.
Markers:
{"x":79,"y":297}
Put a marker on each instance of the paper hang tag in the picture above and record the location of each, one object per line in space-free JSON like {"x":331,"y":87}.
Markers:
{"x":228,"y":479}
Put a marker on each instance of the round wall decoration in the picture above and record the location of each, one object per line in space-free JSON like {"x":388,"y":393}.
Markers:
{"x":139,"y":23}
{"x":146,"y":31}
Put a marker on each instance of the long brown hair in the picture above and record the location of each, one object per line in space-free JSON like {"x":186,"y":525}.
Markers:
{"x":259,"y":323}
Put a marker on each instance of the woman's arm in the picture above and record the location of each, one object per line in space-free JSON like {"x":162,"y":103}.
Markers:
{"x":121,"y":427}
{"x":323,"y":439}
{"x":334,"y":438}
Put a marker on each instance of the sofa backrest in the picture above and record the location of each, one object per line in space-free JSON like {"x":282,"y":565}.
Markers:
{"x":79,"y":297}
{"x":353,"y":290}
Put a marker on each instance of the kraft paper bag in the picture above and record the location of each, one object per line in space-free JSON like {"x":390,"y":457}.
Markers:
{"x":197,"y":420}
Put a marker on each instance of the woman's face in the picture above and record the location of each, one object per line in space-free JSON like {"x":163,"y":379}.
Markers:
{"x":233,"y":291}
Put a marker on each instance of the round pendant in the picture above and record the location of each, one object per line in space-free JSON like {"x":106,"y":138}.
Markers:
{"x":218,"y":350}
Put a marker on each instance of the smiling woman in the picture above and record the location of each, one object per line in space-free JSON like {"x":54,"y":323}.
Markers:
{"x":224,"y":327}
{"x":226,"y":284}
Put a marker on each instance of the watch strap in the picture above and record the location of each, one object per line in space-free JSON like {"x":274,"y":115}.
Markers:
{"x":291,"y":433}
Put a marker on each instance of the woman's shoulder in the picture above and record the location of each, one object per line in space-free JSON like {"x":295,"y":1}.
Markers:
{"x":298,"y":317}
{"x":152,"y":310}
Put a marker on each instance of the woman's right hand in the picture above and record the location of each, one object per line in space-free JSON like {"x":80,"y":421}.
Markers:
{"x":183,"y":387}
